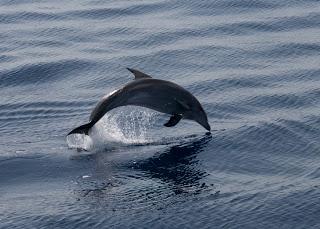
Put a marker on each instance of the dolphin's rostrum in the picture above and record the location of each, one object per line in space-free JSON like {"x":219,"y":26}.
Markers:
{"x":159,"y":95}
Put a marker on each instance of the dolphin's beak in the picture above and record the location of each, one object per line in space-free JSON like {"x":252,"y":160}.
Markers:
{"x":201,"y":118}
{"x":207,"y":126}
{"x":204,"y":123}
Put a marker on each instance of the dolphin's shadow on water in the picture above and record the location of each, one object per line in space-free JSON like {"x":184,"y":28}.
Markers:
{"x":177,"y":166}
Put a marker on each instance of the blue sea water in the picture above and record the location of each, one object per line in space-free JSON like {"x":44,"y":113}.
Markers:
{"x":254,"y":65}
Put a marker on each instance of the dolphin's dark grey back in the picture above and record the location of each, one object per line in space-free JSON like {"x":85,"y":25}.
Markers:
{"x":159,"y":95}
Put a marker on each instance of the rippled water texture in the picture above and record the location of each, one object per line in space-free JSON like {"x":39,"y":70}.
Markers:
{"x":254,"y":65}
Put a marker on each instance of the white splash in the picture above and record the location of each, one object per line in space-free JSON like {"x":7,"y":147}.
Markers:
{"x":79,"y":141}
{"x":122,"y":126}
{"x":128,"y":125}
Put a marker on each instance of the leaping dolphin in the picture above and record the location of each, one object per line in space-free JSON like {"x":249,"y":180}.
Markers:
{"x":160,"y":95}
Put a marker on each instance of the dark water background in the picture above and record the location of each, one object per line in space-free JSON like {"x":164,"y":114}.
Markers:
{"x":255,"y":66}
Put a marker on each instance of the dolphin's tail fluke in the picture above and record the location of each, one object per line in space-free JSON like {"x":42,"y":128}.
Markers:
{"x":84,"y":129}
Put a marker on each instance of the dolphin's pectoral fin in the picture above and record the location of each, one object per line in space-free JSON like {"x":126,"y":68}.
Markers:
{"x":174,"y":119}
{"x":138,"y":75}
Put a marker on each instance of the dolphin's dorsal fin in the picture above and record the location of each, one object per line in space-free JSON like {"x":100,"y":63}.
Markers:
{"x":138,"y":75}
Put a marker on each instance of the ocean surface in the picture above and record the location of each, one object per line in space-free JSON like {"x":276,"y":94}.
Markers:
{"x":255,"y":67}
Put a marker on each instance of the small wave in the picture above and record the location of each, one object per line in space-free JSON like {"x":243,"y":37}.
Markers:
{"x":208,"y":86}
{"x":13,"y":113}
{"x":109,"y":13}
{"x":41,"y":72}
{"x":24,"y":16}
{"x":291,"y":50}
{"x":279,"y":101}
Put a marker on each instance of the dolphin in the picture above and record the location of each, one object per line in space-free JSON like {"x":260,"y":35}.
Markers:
{"x":145,"y":91}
